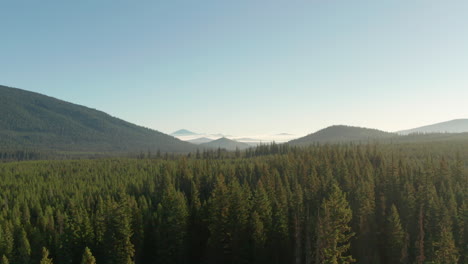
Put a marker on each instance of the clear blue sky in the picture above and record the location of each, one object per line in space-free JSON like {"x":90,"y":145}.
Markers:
{"x":244,"y":67}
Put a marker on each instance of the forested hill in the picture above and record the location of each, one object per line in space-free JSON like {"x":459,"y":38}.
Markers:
{"x":34,"y":121}
{"x":341,"y":134}
{"x":347,"y":134}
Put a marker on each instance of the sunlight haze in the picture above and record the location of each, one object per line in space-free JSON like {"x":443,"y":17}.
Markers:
{"x":244,"y":67}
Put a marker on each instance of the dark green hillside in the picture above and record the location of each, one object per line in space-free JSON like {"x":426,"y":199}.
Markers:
{"x":225,"y":143}
{"x":347,"y":134}
{"x":33,"y":121}
{"x":341,"y":134}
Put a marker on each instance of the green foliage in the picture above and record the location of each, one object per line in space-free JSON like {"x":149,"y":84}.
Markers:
{"x":22,"y":249}
{"x":334,"y":232}
{"x":446,"y":251}
{"x":172,"y":220}
{"x":88,"y":258}
{"x":117,"y":239}
{"x":395,"y":237}
{"x":45,"y":257}
{"x":4,"y":260}
{"x":272,"y":204}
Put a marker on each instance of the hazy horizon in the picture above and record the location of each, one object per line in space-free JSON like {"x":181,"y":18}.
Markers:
{"x":245,"y":68}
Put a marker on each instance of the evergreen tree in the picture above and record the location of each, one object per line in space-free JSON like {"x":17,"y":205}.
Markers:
{"x":6,"y":239}
{"x":220,"y":237}
{"x":419,"y":244}
{"x":395,"y":238}
{"x":22,"y":252}
{"x":334,"y":232}
{"x":172,"y":226}
{"x":120,"y":249}
{"x":446,"y":252}
{"x":88,"y":258}
{"x":463,"y":232}
{"x":4,"y":260}
{"x":365,"y":246}
{"x":45,"y":257}
{"x":258,"y":239}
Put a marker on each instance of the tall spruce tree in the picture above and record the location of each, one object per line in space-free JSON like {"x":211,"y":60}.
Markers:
{"x":446,"y":251}
{"x":117,"y":241}
{"x":4,"y":260}
{"x":87,"y":257}
{"x":395,"y":238}
{"x":45,"y":257}
{"x":172,"y":226}
{"x":6,"y":239}
{"x":22,"y":251}
{"x":333,"y":230}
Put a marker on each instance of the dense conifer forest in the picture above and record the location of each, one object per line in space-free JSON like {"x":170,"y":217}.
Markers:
{"x":274,"y":204}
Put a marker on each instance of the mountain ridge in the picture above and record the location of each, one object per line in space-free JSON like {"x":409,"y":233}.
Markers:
{"x":34,"y":120}
{"x":225,"y":143}
{"x":200,"y":140}
{"x":452,"y":126}
{"x":342,"y":134}
{"x":183,"y":132}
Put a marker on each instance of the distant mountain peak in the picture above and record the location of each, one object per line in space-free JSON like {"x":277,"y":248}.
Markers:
{"x":225,"y":143}
{"x":200,"y":140}
{"x":453,"y":126}
{"x":183,"y":132}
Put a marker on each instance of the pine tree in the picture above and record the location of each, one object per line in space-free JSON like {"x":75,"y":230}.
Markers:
{"x":117,"y":241}
{"x":88,"y":258}
{"x":419,"y":244}
{"x":333,"y":230}
{"x":395,"y":238}
{"x":6,"y":239}
{"x":172,"y":226}
{"x":4,"y":260}
{"x":219,"y":242}
{"x":365,"y":246}
{"x":446,"y":251}
{"x":240,"y":207}
{"x":258,"y":238}
{"x":260,"y":223}
{"x":280,"y":246}
{"x":22,"y":252}
{"x":198,"y":234}
{"x":45,"y":257}
{"x":463,"y":231}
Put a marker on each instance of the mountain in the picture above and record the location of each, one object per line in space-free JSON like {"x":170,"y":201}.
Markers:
{"x":30,"y":120}
{"x":225,"y":143}
{"x":183,"y":132}
{"x":201,"y":140}
{"x":246,"y":140}
{"x":453,"y":126}
{"x":342,"y":134}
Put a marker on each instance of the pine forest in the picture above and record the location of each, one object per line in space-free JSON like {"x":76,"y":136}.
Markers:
{"x":343,"y":203}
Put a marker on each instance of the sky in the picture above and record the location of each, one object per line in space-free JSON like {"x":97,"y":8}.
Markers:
{"x":244,"y":67}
